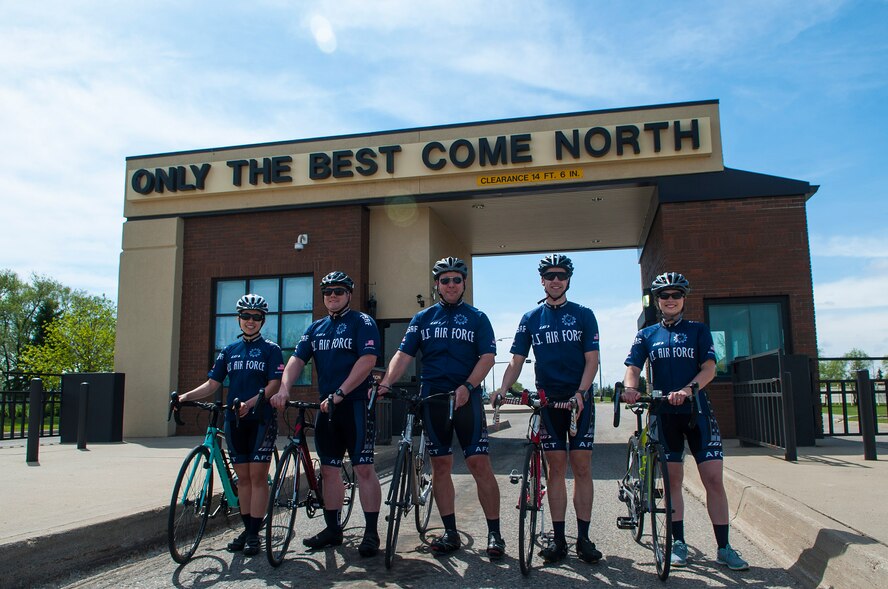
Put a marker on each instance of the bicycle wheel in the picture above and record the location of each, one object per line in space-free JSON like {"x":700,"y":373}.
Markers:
{"x":283,"y":503}
{"x":660,"y":506}
{"x":423,"y":469}
{"x":190,"y":505}
{"x":398,"y":496}
{"x":348,"y":501}
{"x":634,"y":492}
{"x":528,"y":507}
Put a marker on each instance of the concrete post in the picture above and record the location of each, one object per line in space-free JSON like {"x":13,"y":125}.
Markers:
{"x":35,"y":422}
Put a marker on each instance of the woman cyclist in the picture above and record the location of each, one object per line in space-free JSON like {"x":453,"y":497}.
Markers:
{"x":251,"y":363}
{"x":682,"y":358}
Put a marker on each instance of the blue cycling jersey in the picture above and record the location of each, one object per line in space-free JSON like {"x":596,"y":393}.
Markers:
{"x":249,"y":367}
{"x":560,"y":337}
{"x":452,"y":338}
{"x":676,"y":353}
{"x":336,"y":343}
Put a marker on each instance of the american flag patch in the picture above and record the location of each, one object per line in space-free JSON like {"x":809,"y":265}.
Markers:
{"x":370,"y":342}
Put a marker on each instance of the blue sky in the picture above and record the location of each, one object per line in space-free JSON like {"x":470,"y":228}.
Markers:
{"x":801,"y":85}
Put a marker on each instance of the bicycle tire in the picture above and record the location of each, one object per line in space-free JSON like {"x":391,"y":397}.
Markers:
{"x":349,"y":484}
{"x":635,"y":504}
{"x":528,"y":507}
{"x":661,"y":511}
{"x":398,"y":492}
{"x":425,"y":501}
{"x":283,"y":505}
{"x":190,"y":505}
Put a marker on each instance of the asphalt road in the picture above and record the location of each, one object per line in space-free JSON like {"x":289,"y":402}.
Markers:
{"x":625,"y":563}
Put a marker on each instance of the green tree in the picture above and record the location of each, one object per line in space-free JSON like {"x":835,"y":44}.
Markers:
{"x":81,"y":339}
{"x":858,"y":364}
{"x":23,"y":307}
{"x":832,"y":369}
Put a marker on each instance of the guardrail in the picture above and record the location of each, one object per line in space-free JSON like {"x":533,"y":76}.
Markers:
{"x":841,"y":406}
{"x":15,"y":408}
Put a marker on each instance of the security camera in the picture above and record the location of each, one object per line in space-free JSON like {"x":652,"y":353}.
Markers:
{"x":298,"y":246}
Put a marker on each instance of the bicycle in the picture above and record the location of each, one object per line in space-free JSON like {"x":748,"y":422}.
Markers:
{"x":411,"y":485}
{"x":286,"y":499}
{"x":191,"y":504}
{"x":531,"y":505}
{"x":645,"y":487}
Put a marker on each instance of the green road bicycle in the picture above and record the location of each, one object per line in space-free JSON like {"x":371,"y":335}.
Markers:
{"x":192,"y":502}
{"x":645,"y":486}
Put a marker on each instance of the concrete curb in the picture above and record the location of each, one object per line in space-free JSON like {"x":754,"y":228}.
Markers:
{"x":41,"y":559}
{"x":815,"y":549}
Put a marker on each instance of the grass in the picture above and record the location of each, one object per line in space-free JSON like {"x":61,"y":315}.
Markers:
{"x":853,"y":414}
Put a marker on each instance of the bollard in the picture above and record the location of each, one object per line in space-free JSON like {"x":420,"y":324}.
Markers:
{"x":82,"y":404}
{"x":789,"y":426}
{"x":35,"y":422}
{"x":866,"y":413}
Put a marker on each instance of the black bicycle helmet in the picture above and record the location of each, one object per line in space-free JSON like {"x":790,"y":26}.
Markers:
{"x":450,"y":264}
{"x":252,"y":302}
{"x":556,"y":261}
{"x":340,"y":278}
{"x":670,"y":280}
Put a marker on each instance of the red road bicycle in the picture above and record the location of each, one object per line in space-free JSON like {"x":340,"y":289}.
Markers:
{"x":531,"y":504}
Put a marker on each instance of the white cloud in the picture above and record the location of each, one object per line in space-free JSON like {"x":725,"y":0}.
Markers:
{"x":840,"y":331}
{"x":848,"y":246}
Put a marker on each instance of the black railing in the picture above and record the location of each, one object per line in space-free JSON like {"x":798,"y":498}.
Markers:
{"x":14,"y":405}
{"x":841,"y":406}
{"x":763,"y":402}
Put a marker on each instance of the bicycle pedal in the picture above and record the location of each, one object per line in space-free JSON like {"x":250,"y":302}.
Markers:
{"x":514,"y":477}
{"x":625,"y":523}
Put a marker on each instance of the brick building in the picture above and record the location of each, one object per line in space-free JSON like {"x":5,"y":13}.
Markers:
{"x":205,"y":226}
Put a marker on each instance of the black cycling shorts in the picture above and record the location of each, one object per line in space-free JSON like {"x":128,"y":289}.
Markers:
{"x":352,"y":429}
{"x":555,"y":429}
{"x":469,"y":423}
{"x":704,"y":438}
{"x":251,"y":441}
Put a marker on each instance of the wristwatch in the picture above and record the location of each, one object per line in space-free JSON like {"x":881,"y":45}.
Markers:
{"x":339,"y":393}
{"x":469,"y":387}
{"x":694,"y":386}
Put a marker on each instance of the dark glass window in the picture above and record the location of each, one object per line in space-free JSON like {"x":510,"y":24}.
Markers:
{"x":744,"y":327}
{"x":290,"y":302}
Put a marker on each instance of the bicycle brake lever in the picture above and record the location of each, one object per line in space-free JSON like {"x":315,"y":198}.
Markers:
{"x":330,"y":406}
{"x":573,"y":416}
{"x":174,"y":408}
{"x":236,"y":405}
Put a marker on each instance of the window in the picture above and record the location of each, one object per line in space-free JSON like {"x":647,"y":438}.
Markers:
{"x":744,"y":327}
{"x":289,"y":312}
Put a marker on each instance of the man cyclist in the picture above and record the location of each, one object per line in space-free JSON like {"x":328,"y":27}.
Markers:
{"x":682,"y":358}
{"x":458,"y":350}
{"x":251,"y":363}
{"x":344,"y":345}
{"x":564,"y":337}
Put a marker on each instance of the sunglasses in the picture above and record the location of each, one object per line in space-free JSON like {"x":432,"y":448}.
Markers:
{"x":253,"y":316}
{"x":456,"y":280}
{"x":670,"y":295}
{"x":334,"y":291}
{"x":562,"y":276}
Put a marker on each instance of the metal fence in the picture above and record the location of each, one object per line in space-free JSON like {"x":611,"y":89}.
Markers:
{"x":763,"y":402}
{"x":841,"y":407}
{"x":14,"y":407}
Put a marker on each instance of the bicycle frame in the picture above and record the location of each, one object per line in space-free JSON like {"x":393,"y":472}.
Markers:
{"x":218,"y":457}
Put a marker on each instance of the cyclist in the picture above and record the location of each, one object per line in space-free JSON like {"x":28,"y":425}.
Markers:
{"x":564,"y":337}
{"x":458,"y":349}
{"x":344,"y":345}
{"x":250,"y":364}
{"x":682,"y":357}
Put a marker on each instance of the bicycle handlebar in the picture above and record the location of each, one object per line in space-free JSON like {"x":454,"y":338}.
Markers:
{"x":536,"y":401}
{"x":645,"y":401}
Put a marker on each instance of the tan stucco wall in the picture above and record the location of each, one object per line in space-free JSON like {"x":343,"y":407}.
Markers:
{"x":148,"y":312}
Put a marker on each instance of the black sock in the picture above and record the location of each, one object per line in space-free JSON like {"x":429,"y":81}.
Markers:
{"x":247,"y":520}
{"x":449,"y":521}
{"x":558,"y":528}
{"x":371,"y":518}
{"x":256,"y":524}
{"x":721,"y":534}
{"x":493,"y":525}
{"x":678,"y":530}
{"x":331,"y":518}
{"x":582,"y":529}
